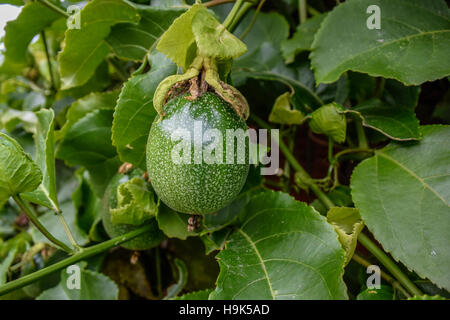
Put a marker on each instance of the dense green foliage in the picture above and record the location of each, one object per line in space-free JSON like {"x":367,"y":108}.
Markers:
{"x":359,"y":90}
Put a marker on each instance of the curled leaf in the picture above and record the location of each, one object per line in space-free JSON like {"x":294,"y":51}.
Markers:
{"x":329,"y":120}
{"x":135,"y":203}
{"x":18,"y":172}
{"x":348,"y":224}
{"x":283,"y":113}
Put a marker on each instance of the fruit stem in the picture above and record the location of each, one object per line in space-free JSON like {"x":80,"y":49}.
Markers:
{"x":389,"y":264}
{"x":86,"y":253}
{"x":26,"y":208}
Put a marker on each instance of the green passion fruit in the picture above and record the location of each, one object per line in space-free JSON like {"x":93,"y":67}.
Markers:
{"x":143,"y":242}
{"x":189,"y":152}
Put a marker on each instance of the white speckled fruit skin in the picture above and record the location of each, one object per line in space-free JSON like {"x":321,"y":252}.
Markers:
{"x":194,"y":188}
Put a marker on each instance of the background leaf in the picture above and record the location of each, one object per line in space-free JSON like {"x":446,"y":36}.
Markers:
{"x":410,"y":30}
{"x":402,"y":193}
{"x":88,"y":143}
{"x":134,"y":113}
{"x":81,"y":107}
{"x":283,"y":250}
{"x":395,"y":122}
{"x":45,"y":159}
{"x":85,"y":48}
{"x":133,"y":41}
{"x":302,"y":39}
{"x":33,"y":18}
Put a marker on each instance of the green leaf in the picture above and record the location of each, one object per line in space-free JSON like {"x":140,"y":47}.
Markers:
{"x":85,"y":48}
{"x":10,"y":118}
{"x":283,"y":250}
{"x":283,"y":113}
{"x":215,"y":240}
{"x":81,"y":107}
{"x":45,"y":158}
{"x":410,"y":30}
{"x":383,"y":293}
{"x":87,"y":204}
{"x":213,"y":39}
{"x":53,"y":224}
{"x":402,"y":193}
{"x":172,"y":223}
{"x":132,"y":41}
{"x":20,"y":241}
{"x":88,"y":143}
{"x":178,"y":42}
{"x":5,"y":264}
{"x":396,"y":94}
{"x":93,"y":286}
{"x":135,"y":203}
{"x":18,"y":172}
{"x":348,"y":224}
{"x":395,"y":122}
{"x":330,"y":120}
{"x":302,"y":39}
{"x":134,"y":112}
{"x":33,"y":18}
{"x":196,"y":295}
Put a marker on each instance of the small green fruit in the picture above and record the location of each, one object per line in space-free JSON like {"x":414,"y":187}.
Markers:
{"x":199,"y":186}
{"x":142,"y":242}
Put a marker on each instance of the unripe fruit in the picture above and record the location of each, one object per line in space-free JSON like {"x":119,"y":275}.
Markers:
{"x":196,"y":187}
{"x":143,"y":242}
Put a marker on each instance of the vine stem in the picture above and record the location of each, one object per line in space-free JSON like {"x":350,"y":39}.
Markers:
{"x":53,"y":7}
{"x":86,"y":253}
{"x":305,"y":177}
{"x":302,"y":10}
{"x":216,"y":2}
{"x":347,"y":151}
{"x":252,"y":23}
{"x":389,"y":264}
{"x":240,"y":15}
{"x":357,"y":258}
{"x":47,"y":55}
{"x":68,"y":232}
{"x":232,"y":14}
{"x":34,"y":219}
